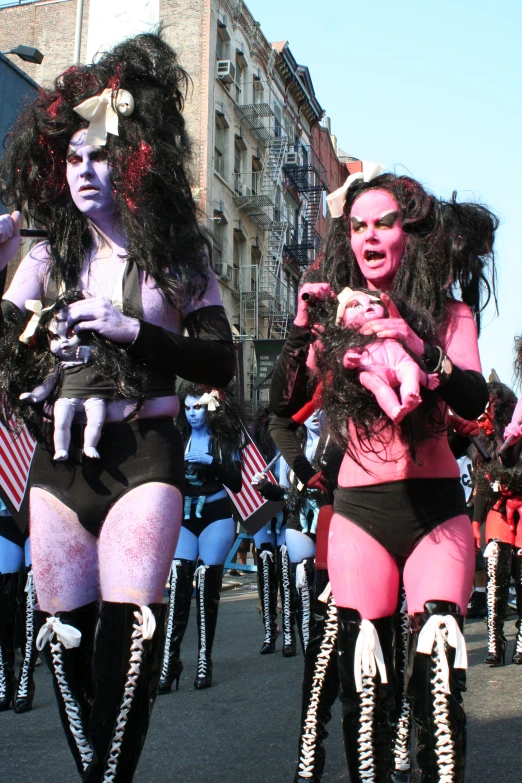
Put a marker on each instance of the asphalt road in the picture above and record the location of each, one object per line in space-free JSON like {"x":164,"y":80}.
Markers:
{"x":244,"y":728}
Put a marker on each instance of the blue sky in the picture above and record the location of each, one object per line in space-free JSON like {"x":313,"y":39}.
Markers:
{"x":430,"y":88}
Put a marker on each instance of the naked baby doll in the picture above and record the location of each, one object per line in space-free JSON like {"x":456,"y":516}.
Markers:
{"x":74,"y":360}
{"x":385,"y":367}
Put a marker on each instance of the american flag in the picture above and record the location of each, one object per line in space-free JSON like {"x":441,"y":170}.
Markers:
{"x":252,"y":507}
{"x":16,"y":455}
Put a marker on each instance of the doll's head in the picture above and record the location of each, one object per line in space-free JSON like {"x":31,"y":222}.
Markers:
{"x":63,"y":341}
{"x":360,"y":308}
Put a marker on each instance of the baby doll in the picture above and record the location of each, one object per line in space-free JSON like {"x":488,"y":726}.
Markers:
{"x":74,"y":359}
{"x":192,"y":478}
{"x":384,"y":365}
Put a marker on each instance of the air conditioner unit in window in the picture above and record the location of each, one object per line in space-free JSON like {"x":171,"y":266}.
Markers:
{"x":226,"y":71}
{"x":293,"y":159}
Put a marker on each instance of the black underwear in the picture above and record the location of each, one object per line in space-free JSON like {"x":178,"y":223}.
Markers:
{"x":398,"y":514}
{"x":216,"y":509}
{"x":132,"y":453}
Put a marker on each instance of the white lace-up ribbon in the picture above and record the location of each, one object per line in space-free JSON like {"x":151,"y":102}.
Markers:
{"x":300,"y":576}
{"x":200,"y":572}
{"x":368,"y":655}
{"x":102,"y":116}
{"x":67,"y":635}
{"x":325,"y":595}
{"x":266,"y":553}
{"x":148,"y":622}
{"x":432,"y":634}
{"x":211,"y":399}
{"x":491,"y":549}
{"x":337,"y":199}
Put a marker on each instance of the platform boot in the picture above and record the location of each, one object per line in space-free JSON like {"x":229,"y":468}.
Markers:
{"x":320,"y":683}
{"x":498,"y":570}
{"x":517,"y":575}
{"x":181,"y":589}
{"x":267,"y":583}
{"x":208,"y":586}
{"x":24,"y":695}
{"x":435,"y":682}
{"x":65,"y":641}
{"x":368,"y":692}
{"x":128,"y":651}
{"x":402,"y":715}
{"x":304,"y":575}
{"x":287,"y":591}
{"x":8,"y":606}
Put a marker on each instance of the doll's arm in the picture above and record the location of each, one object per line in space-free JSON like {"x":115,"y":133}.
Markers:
{"x":43,"y":390}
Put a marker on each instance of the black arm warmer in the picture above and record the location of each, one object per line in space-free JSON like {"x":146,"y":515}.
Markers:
{"x":206,"y":356}
{"x":283,"y":433}
{"x":466,"y":393}
{"x":273,"y":492}
{"x":231,"y":478}
{"x":289,"y":387}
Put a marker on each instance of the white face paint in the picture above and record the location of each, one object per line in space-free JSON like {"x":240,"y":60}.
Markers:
{"x":63,"y":342}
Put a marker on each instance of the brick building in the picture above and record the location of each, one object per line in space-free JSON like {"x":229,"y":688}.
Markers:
{"x":264,"y":161}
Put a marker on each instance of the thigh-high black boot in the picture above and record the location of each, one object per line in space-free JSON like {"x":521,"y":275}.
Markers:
{"x":8,"y":605}
{"x":267,"y":582}
{"x":320,"y":683}
{"x":23,"y":700}
{"x":181,"y":588}
{"x":304,"y":575}
{"x":435,"y":689}
{"x":65,"y":641}
{"x":368,"y":701}
{"x":287,"y":592}
{"x":517,"y":575}
{"x":498,"y":571}
{"x":402,"y":714}
{"x":208,"y":586}
{"x":128,"y":651}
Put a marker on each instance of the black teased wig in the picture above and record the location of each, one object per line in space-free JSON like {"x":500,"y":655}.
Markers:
{"x":226,"y":426}
{"x":448,"y":254}
{"x":149,"y":168}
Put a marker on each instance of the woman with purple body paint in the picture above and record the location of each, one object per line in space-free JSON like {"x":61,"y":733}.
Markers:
{"x":100,"y":161}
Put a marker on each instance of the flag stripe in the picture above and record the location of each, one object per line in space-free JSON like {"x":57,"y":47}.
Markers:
{"x":16,"y":454}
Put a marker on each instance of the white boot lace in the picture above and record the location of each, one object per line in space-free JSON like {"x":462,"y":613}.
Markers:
{"x":301,"y":583}
{"x":170,"y":620}
{"x":201,"y":572}
{"x":23,"y":685}
{"x":265,"y":556}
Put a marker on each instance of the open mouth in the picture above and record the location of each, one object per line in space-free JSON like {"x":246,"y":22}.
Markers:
{"x":372,"y":255}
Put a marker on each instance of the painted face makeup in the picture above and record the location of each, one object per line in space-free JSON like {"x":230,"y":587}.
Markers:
{"x":377,"y":237}
{"x":196,"y":414}
{"x":360,"y":309}
{"x":314,"y":423}
{"x":62,"y":339}
{"x":88,"y":177}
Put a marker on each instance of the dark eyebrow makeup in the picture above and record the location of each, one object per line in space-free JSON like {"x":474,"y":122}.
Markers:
{"x":388,"y":219}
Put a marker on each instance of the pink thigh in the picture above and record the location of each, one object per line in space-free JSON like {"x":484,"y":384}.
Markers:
{"x":441,"y":566}
{"x":363,"y":575}
{"x":137,"y":543}
{"x":65,"y":557}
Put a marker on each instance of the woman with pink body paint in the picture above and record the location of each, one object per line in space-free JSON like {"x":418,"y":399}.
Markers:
{"x":100,"y":161}
{"x":399,"y":510}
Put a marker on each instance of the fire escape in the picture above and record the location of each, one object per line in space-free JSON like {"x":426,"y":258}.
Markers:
{"x":258,"y":195}
{"x":307,"y":174}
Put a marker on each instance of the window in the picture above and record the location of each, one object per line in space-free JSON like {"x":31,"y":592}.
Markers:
{"x":219,"y":147}
{"x":255,"y":260}
{"x":239,"y":78}
{"x":278,"y":119}
{"x":219,"y":236}
{"x":256,"y":174}
{"x":259,"y":91}
{"x":237,"y":258}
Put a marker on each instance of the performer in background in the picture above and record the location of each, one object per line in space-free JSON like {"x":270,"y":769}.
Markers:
{"x":100,"y":160}
{"x":399,"y":508}
{"x":213,"y":436}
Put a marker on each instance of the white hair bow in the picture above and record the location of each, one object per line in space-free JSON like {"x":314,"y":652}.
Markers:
{"x":102,"y":115}
{"x":34,"y":306}
{"x":337,"y":199}
{"x":211,"y":399}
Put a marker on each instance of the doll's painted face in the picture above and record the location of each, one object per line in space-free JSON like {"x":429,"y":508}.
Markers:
{"x":361,"y":308}
{"x":377,"y":237}
{"x":88,"y":177}
{"x":195,"y":412}
{"x":63,"y":342}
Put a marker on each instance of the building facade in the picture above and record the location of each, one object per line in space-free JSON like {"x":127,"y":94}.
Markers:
{"x":264,"y":158}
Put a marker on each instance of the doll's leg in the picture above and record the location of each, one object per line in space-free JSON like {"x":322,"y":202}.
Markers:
{"x":136,"y":548}
{"x":384,"y":394}
{"x":200,"y":506}
{"x":187,"y":505}
{"x":95,"y":411}
{"x":438,"y":577}
{"x":365,"y":583}
{"x":65,"y":565}
{"x":409,"y":375}
{"x":63,"y":411}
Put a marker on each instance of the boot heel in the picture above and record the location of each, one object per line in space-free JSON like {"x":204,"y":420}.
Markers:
{"x":177,"y":681}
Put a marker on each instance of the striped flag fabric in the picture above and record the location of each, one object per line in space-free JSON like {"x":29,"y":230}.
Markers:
{"x":16,"y":455}
{"x":251,"y":506}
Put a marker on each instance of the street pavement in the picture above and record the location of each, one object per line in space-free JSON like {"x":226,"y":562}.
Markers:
{"x":244,"y":729}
